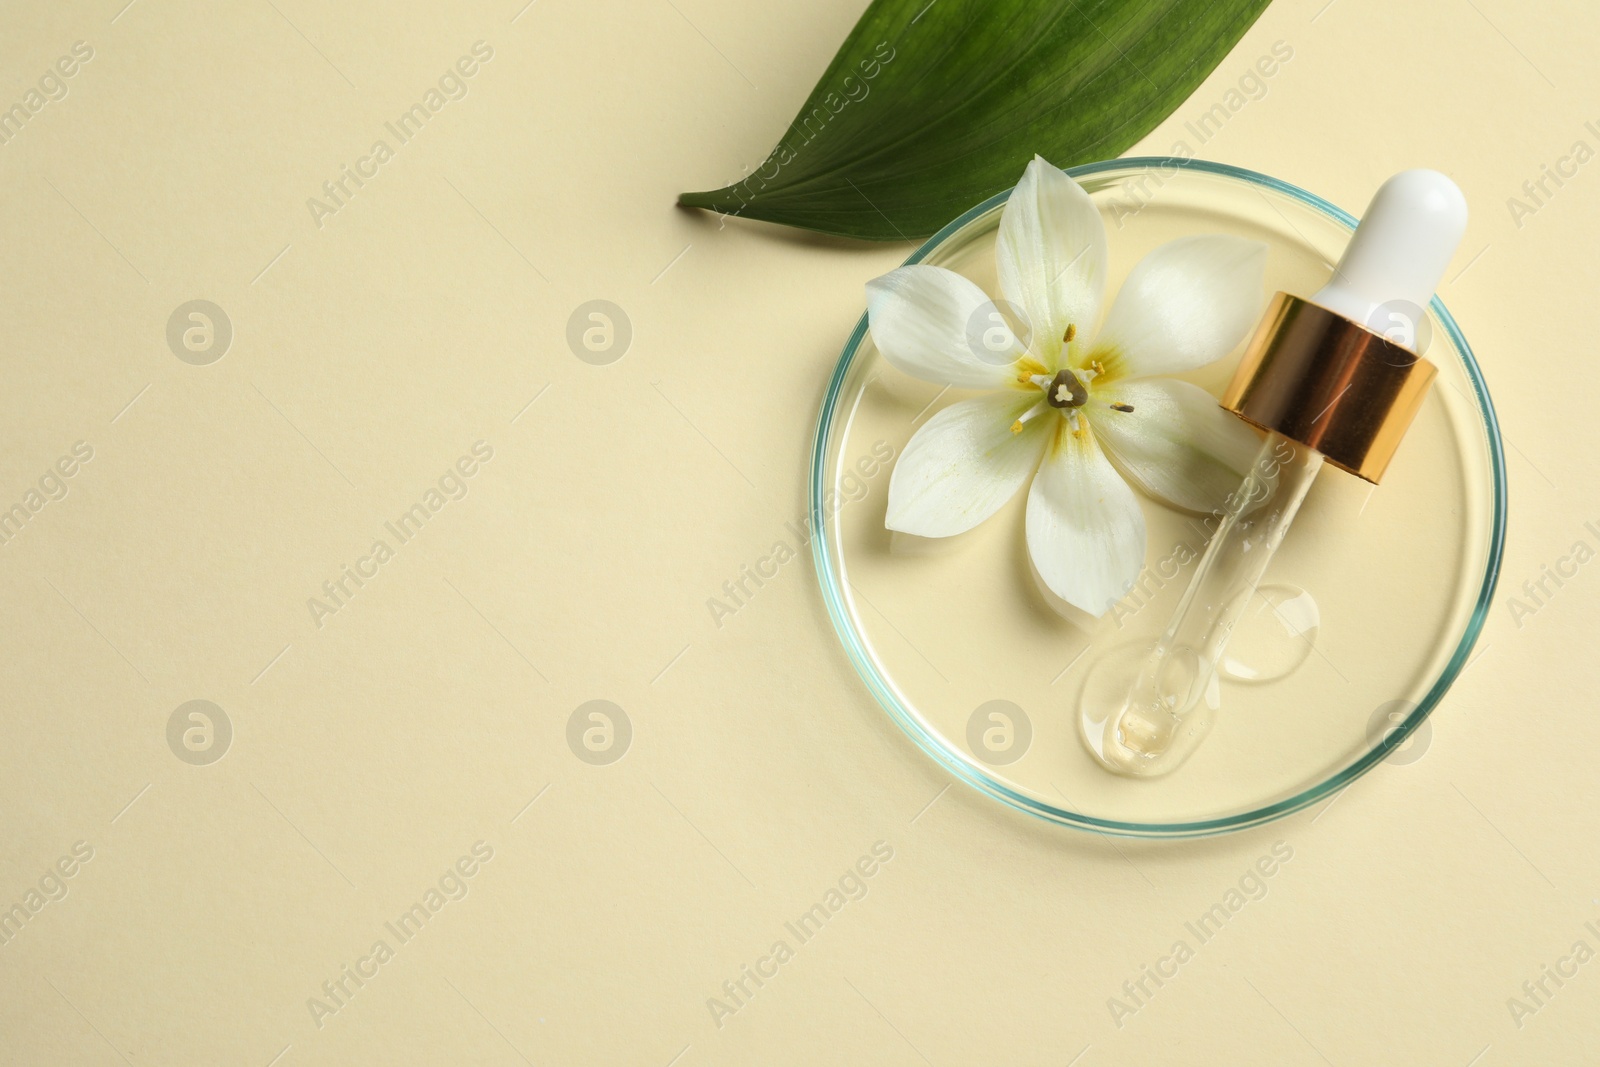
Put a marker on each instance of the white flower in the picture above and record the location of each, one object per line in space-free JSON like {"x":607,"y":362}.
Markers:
{"x":1076,"y":406}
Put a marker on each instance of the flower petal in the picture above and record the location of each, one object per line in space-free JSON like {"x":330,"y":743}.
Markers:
{"x":934,"y":324}
{"x":964,"y":464}
{"x":1085,"y":528}
{"x":1186,"y":304}
{"x":1051,"y":256}
{"x":1177,"y":444}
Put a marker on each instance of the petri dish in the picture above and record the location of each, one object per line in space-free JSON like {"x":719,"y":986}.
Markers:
{"x":956,"y":642}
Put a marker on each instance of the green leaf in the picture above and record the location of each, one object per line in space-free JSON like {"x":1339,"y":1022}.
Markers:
{"x":929,"y":108}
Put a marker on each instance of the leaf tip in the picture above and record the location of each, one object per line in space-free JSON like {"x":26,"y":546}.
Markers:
{"x":707,"y":199}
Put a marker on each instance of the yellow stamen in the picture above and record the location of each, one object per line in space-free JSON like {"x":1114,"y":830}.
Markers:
{"x":1016,"y":427}
{"x":1072,"y":331}
{"x":1026,"y":367}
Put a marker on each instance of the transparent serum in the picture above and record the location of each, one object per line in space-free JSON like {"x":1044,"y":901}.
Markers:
{"x":1333,"y":379}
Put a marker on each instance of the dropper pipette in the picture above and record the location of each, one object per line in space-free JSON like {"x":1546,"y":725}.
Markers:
{"x":1336,"y":378}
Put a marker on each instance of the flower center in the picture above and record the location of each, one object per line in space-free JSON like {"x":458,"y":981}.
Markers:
{"x":1066,"y":391}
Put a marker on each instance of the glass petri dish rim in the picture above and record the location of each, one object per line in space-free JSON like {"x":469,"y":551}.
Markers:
{"x":969,"y":771}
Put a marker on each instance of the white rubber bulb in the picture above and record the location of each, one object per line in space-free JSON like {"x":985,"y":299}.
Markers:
{"x":1399,"y":252}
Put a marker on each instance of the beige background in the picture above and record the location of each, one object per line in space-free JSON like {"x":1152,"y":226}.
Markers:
{"x":372,"y":752}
